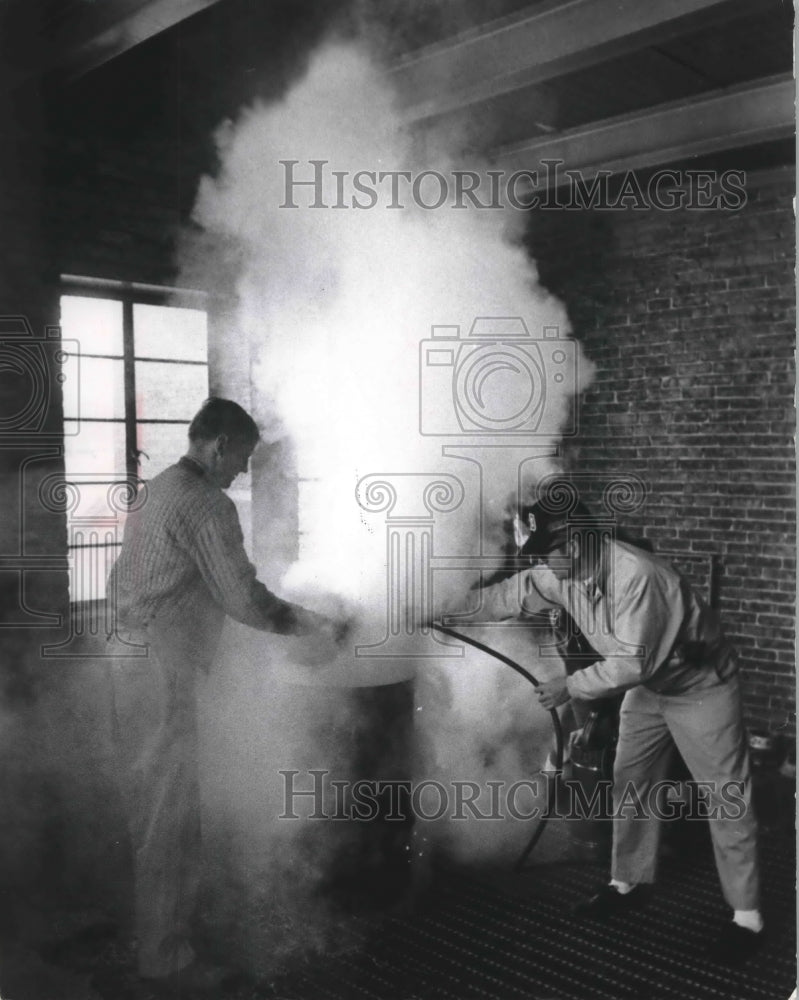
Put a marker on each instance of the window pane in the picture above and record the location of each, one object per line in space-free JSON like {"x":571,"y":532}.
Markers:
{"x":169,"y":392}
{"x":89,"y":569}
{"x":167,"y":332}
{"x":102,"y":389}
{"x":96,"y":449}
{"x":95,"y":323}
{"x":163,"y":444}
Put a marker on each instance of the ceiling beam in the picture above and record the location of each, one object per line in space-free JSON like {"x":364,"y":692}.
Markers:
{"x":731,"y":118}
{"x":135,"y":22}
{"x":543,"y":43}
{"x":93,"y":34}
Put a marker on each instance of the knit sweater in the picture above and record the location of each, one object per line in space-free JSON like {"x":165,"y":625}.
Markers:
{"x":183,"y":566}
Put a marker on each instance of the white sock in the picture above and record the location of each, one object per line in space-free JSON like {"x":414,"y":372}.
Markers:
{"x":750,"y":919}
{"x":621,"y":887}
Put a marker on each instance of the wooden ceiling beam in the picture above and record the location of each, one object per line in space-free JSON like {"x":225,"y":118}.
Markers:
{"x":733,"y":117}
{"x":135,"y":24}
{"x":93,"y":34}
{"x":543,"y":43}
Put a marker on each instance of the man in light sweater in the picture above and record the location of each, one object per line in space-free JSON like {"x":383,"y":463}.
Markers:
{"x":661,"y":646}
{"x":181,"y":570}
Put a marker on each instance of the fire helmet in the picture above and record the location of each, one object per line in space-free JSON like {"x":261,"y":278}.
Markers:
{"x":547,"y":528}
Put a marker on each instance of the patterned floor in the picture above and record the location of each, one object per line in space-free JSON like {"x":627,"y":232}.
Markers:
{"x":501,"y":937}
{"x":494,"y":935}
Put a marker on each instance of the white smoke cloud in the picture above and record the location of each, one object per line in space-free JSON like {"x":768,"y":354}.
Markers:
{"x":333,"y":304}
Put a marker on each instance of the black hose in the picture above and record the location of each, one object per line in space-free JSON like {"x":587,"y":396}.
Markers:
{"x":555,"y":725}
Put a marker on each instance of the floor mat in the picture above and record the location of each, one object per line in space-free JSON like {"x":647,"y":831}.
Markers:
{"x":499,"y":935}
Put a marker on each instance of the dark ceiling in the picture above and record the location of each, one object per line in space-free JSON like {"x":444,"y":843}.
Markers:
{"x":742,"y":49}
{"x":522,"y":72}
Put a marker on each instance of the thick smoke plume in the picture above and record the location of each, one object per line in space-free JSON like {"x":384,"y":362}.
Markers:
{"x":334,"y":302}
{"x":332,"y":306}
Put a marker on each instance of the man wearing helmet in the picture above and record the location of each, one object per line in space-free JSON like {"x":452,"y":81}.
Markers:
{"x":661,"y":647}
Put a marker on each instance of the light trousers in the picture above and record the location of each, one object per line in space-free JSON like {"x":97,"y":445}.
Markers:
{"x":156,"y":735}
{"x":706,"y":726}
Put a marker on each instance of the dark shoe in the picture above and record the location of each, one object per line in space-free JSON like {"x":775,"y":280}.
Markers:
{"x":735,"y":945}
{"x":609,"y":902}
{"x":195,"y":980}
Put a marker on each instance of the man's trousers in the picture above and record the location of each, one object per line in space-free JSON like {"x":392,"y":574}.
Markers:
{"x":706,"y":726}
{"x":156,"y":734}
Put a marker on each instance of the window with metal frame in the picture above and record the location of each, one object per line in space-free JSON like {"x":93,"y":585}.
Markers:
{"x":143,"y":361}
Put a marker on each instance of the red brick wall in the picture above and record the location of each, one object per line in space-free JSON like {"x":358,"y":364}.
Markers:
{"x":689,"y":317}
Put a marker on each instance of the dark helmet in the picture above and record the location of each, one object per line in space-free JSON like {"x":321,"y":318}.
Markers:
{"x":549,"y":526}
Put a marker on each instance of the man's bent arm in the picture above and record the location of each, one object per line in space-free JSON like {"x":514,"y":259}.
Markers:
{"x":522,"y":594}
{"x":231,"y":578}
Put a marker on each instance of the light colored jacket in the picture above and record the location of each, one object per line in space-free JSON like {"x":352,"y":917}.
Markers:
{"x":639,"y":614}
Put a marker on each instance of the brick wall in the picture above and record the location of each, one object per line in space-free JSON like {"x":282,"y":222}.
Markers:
{"x":115,"y":210}
{"x":689,"y":317}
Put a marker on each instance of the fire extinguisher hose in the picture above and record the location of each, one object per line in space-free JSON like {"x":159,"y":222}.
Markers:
{"x":536,"y":836}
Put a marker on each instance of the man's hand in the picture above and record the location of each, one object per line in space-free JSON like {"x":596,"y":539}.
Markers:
{"x":553,"y":693}
{"x":342,"y":630}
{"x":320,"y":640}
{"x":316,"y":642}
